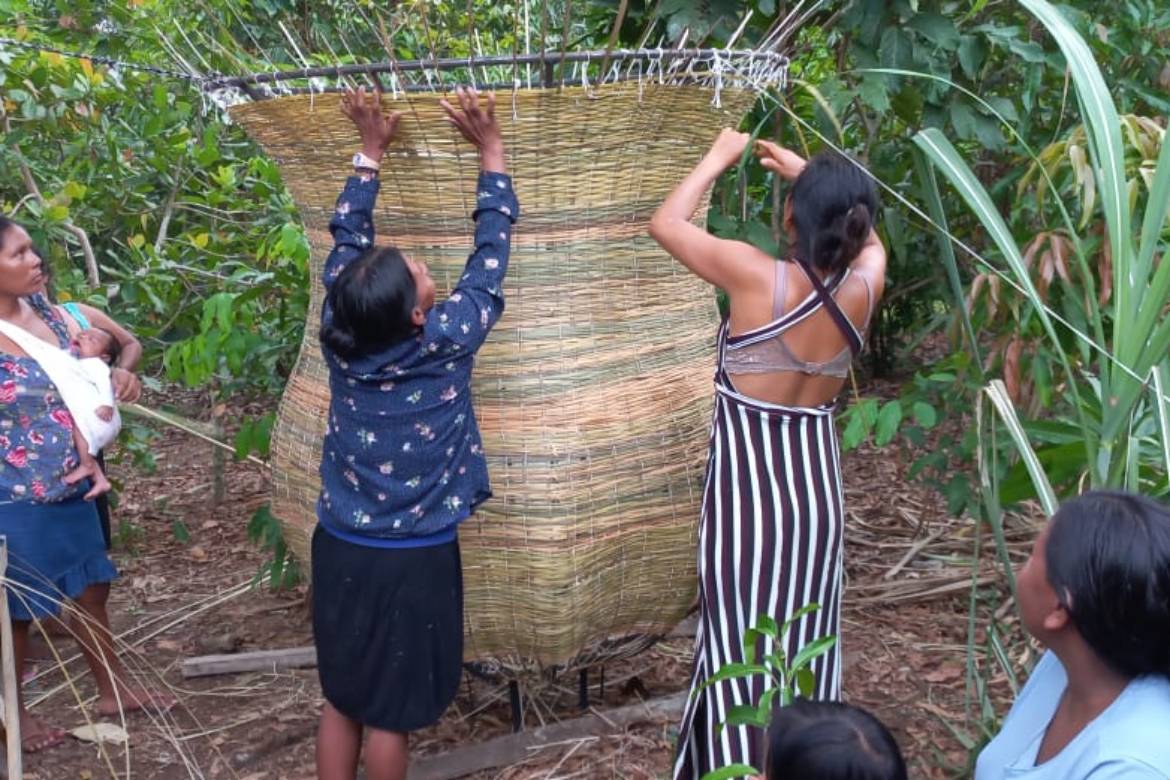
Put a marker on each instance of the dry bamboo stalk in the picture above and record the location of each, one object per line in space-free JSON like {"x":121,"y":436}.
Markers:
{"x":8,"y":658}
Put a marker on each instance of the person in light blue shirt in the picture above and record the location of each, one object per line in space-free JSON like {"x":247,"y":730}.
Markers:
{"x":1096,"y":592}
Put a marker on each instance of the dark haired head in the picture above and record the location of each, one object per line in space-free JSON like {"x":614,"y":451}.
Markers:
{"x":113,"y":346}
{"x":372,"y":303}
{"x":5,"y":224}
{"x":833,"y":203}
{"x":815,"y":740}
{"x":1108,"y":560}
{"x":20,"y":265}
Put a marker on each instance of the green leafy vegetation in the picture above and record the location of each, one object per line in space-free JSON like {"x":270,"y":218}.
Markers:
{"x":1020,"y":149}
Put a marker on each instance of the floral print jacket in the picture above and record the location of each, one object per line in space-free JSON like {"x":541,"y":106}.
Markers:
{"x":36,"y":429}
{"x":402,"y":459}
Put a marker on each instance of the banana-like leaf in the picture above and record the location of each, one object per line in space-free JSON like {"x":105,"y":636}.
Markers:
{"x":824,"y":104}
{"x":940,"y":151}
{"x":731,"y":771}
{"x":1103,"y":129}
{"x":1157,"y":210}
{"x":934,"y":205}
{"x":1162,"y":406}
{"x":997,"y":392}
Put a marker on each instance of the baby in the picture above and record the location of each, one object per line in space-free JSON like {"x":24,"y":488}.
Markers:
{"x":96,"y":349}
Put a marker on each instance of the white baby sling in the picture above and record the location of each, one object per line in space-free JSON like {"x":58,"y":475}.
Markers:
{"x":74,"y":385}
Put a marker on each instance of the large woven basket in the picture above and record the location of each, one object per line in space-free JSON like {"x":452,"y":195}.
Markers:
{"x":593,"y":392}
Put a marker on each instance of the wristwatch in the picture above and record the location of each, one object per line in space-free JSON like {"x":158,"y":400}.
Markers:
{"x":360,"y":161}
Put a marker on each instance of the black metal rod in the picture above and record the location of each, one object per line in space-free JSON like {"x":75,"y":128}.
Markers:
{"x":517,"y":713}
{"x":415,"y":89}
{"x":583,"y":689}
{"x":454,"y":63}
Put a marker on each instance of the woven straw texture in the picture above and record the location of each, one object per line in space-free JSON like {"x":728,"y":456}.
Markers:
{"x":593,"y":392}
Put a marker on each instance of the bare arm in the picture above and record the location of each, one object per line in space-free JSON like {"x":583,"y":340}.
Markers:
{"x":871,"y":263}
{"x":731,"y":265}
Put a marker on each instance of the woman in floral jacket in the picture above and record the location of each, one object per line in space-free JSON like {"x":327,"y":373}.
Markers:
{"x":402,"y":463}
{"x":55,"y":546}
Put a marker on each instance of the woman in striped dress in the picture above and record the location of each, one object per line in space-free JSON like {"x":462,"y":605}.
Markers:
{"x":770,"y":539}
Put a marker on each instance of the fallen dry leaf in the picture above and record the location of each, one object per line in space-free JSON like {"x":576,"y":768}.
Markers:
{"x":945,"y":673}
{"x":108,"y":733}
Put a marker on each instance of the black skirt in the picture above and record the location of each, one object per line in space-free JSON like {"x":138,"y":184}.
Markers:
{"x":388,"y":626}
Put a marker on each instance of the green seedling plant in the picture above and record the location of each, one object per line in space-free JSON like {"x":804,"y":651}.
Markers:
{"x":783,"y":680}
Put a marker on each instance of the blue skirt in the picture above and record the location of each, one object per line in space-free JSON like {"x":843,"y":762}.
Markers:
{"x":55,"y":551}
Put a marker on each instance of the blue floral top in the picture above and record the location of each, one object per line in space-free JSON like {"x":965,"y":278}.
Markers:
{"x":36,"y":430}
{"x":402,"y":462}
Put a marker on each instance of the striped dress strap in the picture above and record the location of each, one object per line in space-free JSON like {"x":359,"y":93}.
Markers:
{"x":809,"y":306}
{"x":803,"y":311}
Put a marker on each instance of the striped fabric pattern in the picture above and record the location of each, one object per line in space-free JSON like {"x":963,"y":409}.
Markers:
{"x":770,"y":542}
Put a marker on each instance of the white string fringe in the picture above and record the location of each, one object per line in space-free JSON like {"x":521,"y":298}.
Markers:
{"x":714,"y":69}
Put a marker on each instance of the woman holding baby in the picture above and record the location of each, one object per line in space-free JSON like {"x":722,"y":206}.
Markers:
{"x":47,"y":482}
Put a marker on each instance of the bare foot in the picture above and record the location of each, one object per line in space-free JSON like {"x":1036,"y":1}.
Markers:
{"x":136,"y":700}
{"x":36,"y":736}
{"x":100,"y":485}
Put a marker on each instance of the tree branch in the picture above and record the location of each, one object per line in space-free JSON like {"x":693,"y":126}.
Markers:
{"x":168,"y":212}
{"x":30,"y":184}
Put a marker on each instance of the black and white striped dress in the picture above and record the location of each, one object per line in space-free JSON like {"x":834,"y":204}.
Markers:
{"x":770,"y":542}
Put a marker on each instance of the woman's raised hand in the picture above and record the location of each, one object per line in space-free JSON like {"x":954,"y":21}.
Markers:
{"x":728,"y":147}
{"x":783,"y":162}
{"x":365,"y":110}
{"x":477,"y":123}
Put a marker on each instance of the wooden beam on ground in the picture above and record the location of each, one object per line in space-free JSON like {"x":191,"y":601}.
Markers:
{"x":304,"y":657}
{"x":258,"y":661}
{"x":517,"y":748}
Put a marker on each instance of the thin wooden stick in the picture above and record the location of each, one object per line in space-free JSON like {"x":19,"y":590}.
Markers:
{"x":565,"y":39}
{"x":186,"y":427}
{"x":613,"y":35}
{"x":8,"y":656}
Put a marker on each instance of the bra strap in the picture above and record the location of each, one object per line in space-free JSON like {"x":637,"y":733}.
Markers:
{"x":779,"y":290}
{"x":830,"y":303}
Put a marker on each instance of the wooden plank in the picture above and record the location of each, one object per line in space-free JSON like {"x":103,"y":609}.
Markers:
{"x":257,"y":661}
{"x":303,"y":657}
{"x":515,"y":748}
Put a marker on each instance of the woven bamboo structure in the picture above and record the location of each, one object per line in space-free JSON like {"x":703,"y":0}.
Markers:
{"x":593,"y":392}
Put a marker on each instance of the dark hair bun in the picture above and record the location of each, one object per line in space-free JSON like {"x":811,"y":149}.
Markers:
{"x":858,"y":223}
{"x":339,"y":340}
{"x":833,"y":206}
{"x":369,"y":305}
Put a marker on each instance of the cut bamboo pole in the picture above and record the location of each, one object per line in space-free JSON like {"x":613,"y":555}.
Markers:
{"x":8,"y":659}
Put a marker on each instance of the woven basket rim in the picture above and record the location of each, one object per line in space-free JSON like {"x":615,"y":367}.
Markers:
{"x":658,"y":56}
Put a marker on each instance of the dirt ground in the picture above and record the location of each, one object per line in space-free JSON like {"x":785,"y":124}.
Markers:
{"x":179,"y":597}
